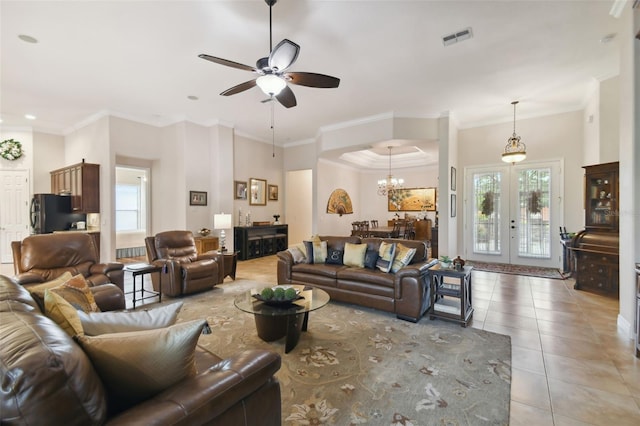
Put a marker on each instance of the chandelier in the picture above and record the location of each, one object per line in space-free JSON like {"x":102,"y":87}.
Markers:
{"x":515,"y":150}
{"x":390,"y":184}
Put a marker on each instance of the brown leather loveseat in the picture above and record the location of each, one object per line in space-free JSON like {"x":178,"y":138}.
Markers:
{"x":48,"y":379}
{"x":407,"y":292}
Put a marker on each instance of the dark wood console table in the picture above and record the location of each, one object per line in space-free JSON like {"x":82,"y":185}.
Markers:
{"x":258,"y":241}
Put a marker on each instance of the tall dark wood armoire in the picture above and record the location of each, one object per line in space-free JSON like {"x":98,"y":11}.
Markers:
{"x":596,"y":248}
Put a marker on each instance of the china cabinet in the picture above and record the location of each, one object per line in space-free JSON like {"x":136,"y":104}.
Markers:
{"x":596,"y":248}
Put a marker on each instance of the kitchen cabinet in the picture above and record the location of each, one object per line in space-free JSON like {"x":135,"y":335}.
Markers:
{"x":82,"y":183}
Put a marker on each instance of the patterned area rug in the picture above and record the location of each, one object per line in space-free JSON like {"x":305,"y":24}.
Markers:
{"x":504,"y":268}
{"x":360,"y":366}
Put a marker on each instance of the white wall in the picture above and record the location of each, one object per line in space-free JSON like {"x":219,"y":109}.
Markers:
{"x":48,"y":155}
{"x":298,"y":205}
{"x":629,"y":143}
{"x":254,"y":159}
{"x":610,"y":120}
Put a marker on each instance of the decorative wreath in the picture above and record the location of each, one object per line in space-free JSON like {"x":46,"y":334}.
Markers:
{"x":10,"y":149}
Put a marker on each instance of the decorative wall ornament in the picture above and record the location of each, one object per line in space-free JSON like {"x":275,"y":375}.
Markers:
{"x":10,"y":149}
{"x":339,"y":203}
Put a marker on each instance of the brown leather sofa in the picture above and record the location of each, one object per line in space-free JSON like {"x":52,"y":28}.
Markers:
{"x":47,"y":378}
{"x":407,"y":293}
{"x":41,"y":258}
{"x":184,"y":271}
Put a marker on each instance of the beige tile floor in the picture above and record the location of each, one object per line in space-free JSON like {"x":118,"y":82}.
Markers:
{"x":570,"y":364}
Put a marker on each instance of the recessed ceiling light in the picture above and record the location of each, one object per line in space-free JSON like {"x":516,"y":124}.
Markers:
{"x":193,"y":98}
{"x":30,"y":116}
{"x":27,"y":38}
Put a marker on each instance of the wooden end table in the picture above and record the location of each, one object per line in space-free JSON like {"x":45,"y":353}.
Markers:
{"x":451,"y":299}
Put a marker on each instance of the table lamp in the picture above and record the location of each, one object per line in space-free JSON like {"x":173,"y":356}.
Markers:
{"x":222,"y":221}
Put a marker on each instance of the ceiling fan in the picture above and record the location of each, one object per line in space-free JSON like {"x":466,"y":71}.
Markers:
{"x":272,"y":71}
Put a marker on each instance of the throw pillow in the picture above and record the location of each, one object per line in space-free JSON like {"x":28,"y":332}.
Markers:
{"x":136,"y":365}
{"x":62,"y":313}
{"x":37,"y":290}
{"x":298,"y":254}
{"x":386,"y":253}
{"x":319,"y":251}
{"x":308,"y":246}
{"x":403,"y":257}
{"x":354,"y":254}
{"x":96,"y":323}
{"x":370,"y":259}
{"x":334,"y":257}
{"x":76,"y":292}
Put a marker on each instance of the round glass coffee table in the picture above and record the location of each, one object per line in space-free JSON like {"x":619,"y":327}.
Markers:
{"x":286,"y":320}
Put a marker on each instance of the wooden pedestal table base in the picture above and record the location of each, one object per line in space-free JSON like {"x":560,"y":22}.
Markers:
{"x":289,"y":320}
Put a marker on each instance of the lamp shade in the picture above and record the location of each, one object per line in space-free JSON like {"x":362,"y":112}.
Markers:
{"x":222,"y":221}
{"x":270,"y":84}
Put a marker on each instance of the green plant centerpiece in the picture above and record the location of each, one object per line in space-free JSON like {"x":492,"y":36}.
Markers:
{"x":278,"y":294}
{"x":445,"y":261}
{"x":267,"y":293}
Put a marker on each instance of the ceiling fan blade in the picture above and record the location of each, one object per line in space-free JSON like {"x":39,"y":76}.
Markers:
{"x":286,"y":97}
{"x":312,"y":79}
{"x":227,"y":63}
{"x":239,"y":88}
{"x":283,"y":55}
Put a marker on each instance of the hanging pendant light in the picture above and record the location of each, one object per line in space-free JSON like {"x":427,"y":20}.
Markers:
{"x":515,"y":151}
{"x":390,"y":184}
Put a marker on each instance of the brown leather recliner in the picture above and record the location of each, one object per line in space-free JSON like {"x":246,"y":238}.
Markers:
{"x":44,"y":257}
{"x":183,"y":270}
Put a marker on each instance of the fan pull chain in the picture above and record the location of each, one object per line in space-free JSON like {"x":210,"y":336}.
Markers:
{"x":273,"y":131}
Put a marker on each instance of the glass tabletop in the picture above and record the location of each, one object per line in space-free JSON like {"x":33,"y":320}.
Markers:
{"x":311,"y":299}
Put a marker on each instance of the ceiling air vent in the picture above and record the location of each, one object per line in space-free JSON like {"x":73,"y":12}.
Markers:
{"x":461,"y":35}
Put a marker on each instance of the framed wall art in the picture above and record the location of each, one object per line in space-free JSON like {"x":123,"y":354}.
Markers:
{"x":273,"y":192}
{"x":453,"y":205}
{"x":453,"y":178}
{"x":257,"y":192}
{"x":412,"y":200}
{"x":239,"y":190}
{"x":197,"y":198}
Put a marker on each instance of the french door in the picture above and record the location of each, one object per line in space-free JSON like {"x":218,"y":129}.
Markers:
{"x":512,"y":214}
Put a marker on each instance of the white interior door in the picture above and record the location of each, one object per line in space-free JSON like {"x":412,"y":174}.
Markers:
{"x":14,"y":210}
{"x":512,"y":212}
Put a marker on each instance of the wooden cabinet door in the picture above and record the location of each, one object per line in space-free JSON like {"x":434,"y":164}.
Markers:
{"x":82,"y":182}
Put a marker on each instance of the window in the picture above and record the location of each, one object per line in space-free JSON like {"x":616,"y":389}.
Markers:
{"x":129,"y":216}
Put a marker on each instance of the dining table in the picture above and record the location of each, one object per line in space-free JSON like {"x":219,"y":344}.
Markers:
{"x":380,"y":232}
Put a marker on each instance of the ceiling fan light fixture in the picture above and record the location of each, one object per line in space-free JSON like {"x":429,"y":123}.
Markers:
{"x":515,"y":151}
{"x":271,"y":84}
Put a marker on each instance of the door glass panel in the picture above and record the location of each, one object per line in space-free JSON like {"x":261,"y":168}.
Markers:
{"x":486,"y":213}
{"x":534,"y":224}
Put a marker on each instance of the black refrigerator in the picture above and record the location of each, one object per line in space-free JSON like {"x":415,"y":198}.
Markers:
{"x":51,"y":212}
